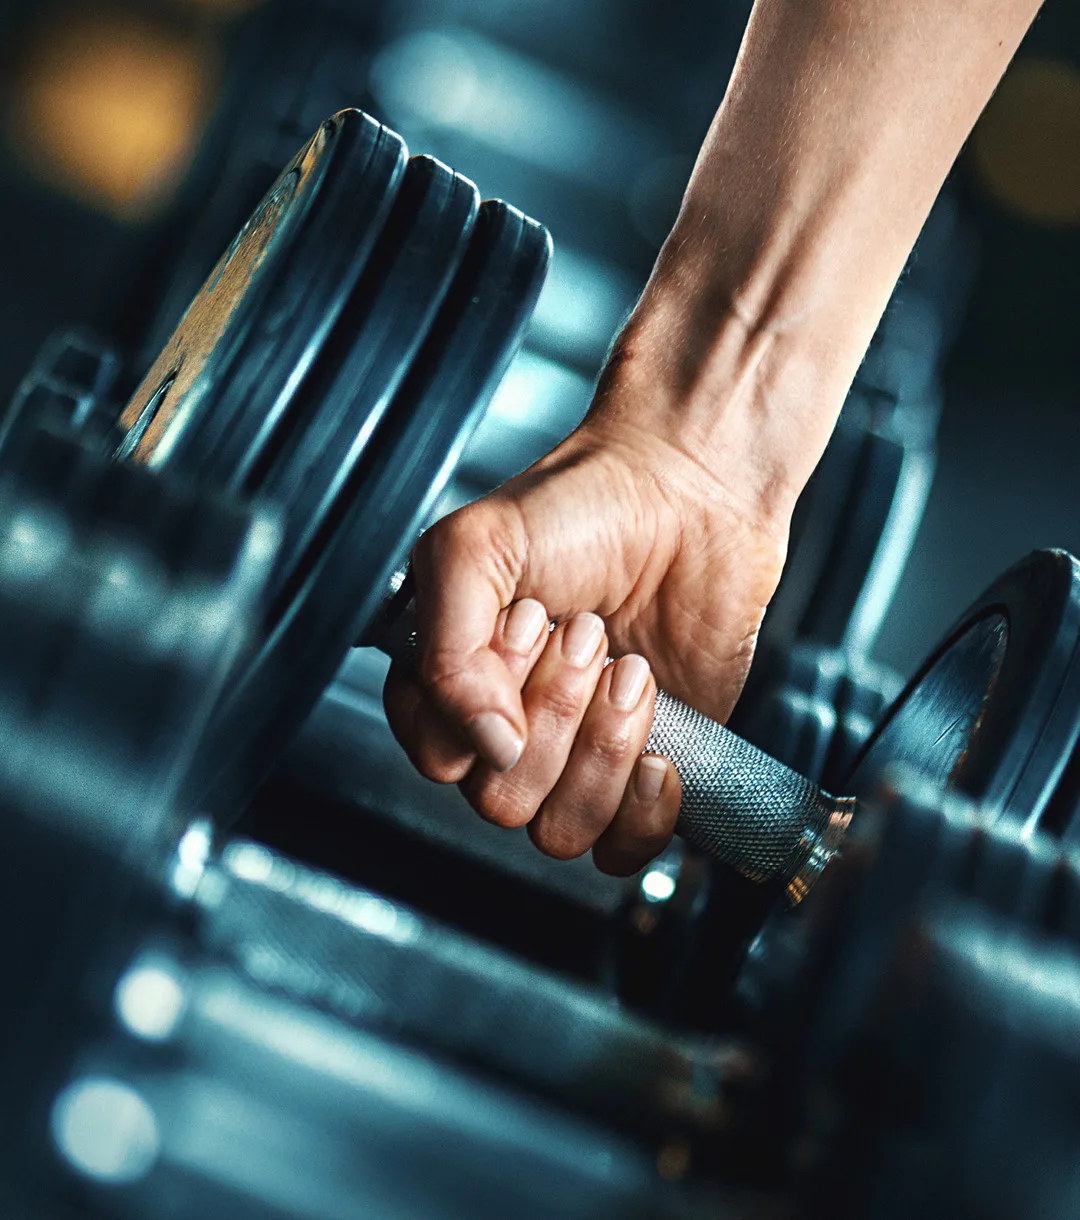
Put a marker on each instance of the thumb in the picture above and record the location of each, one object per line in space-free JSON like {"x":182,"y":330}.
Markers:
{"x":468,"y":567}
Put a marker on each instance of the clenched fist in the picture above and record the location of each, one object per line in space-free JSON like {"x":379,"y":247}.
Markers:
{"x":635,"y":549}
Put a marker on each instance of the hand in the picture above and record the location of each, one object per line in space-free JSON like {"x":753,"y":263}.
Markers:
{"x":666,"y":513}
{"x":635,"y":546}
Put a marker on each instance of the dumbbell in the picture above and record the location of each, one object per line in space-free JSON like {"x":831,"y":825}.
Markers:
{"x":188,"y":979}
{"x":214,"y":1031}
{"x":125,"y":604}
{"x":182,"y":1018}
{"x":993,"y":714}
{"x":321,"y":368}
{"x":334,"y":363}
{"x":934,"y":1017}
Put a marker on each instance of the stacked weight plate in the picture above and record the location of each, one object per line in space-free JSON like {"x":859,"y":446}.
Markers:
{"x":333,"y":364}
{"x":220,"y":1037}
{"x":993,"y":714}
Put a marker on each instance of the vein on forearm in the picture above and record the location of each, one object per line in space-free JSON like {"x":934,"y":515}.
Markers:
{"x":839,"y":125}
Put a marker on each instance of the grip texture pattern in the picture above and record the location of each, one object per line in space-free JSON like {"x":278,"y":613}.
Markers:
{"x":329,"y":946}
{"x":739,"y":805}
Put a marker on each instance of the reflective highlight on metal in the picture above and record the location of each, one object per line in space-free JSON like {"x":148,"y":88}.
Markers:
{"x":106,"y":1130}
{"x":151,"y":997}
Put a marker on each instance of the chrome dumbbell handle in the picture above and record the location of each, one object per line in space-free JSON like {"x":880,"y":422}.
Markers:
{"x":739,"y":805}
{"x":743,"y":807}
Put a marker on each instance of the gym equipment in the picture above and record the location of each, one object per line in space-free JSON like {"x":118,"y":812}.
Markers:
{"x":71,"y":381}
{"x":357,"y":252}
{"x":246,"y":973}
{"x":993,"y":715}
{"x":1003,"y":687}
{"x":224,"y":1033}
{"x":275,"y":383}
{"x":125,"y":605}
{"x":821,"y":707}
{"x":334,"y":363}
{"x":243,"y":1036}
{"x":935,"y":1016}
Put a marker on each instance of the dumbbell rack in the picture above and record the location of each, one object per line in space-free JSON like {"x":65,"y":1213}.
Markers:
{"x":236,"y":1025}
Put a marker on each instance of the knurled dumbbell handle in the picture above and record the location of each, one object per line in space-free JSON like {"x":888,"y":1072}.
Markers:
{"x":743,"y":807}
{"x":739,"y":805}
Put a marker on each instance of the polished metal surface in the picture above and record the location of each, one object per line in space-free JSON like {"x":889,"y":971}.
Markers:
{"x":933,"y":725}
{"x":172,"y":388}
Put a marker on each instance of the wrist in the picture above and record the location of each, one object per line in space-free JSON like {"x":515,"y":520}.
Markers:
{"x":710,"y":363}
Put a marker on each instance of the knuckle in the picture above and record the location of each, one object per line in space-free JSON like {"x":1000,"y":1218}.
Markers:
{"x":482,"y":535}
{"x":608,"y":745}
{"x":451,"y":534}
{"x":560,"y":702}
{"x":441,"y":670}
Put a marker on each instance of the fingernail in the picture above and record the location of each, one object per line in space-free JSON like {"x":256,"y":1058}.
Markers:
{"x":497,"y":740}
{"x":582,"y":638}
{"x":527,"y":618}
{"x":649,"y":780}
{"x":628,"y":680}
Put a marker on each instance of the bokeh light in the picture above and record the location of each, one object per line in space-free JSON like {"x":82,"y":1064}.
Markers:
{"x":110,"y":107}
{"x":1026,"y":147}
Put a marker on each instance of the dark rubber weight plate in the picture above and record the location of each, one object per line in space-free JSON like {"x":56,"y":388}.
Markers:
{"x":123,"y":601}
{"x":389,"y":496}
{"x":994,"y":713}
{"x":368,"y":353}
{"x":225,"y":382}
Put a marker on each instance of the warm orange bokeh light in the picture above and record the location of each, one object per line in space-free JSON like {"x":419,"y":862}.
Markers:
{"x":1026,"y":147}
{"x":110,"y":108}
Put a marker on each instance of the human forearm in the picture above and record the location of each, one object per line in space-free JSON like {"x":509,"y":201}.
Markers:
{"x":840,"y":123}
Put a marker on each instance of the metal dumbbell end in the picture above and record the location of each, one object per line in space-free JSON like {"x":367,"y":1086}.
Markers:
{"x":743,"y":807}
{"x":739,"y":805}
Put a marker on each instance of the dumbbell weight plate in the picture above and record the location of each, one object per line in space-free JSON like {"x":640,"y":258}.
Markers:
{"x":994,"y":714}
{"x":346,"y":268}
{"x":326,"y":606}
{"x":995,"y":710}
{"x":369,"y":352}
{"x":123,"y":601}
{"x":223,"y":385}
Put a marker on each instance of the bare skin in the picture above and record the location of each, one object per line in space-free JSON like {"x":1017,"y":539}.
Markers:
{"x":658,"y":529}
